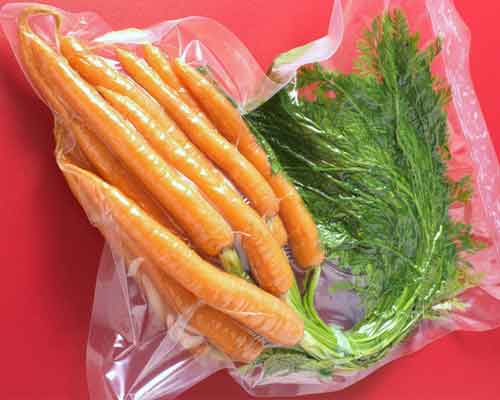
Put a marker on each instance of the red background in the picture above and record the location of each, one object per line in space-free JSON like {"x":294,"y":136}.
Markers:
{"x":49,"y":253}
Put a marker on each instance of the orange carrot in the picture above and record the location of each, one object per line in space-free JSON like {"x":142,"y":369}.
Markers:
{"x":243,"y":301}
{"x":159,"y":62}
{"x":204,"y":136}
{"x":94,"y":151}
{"x":268,"y":262}
{"x":223,"y":115}
{"x":221,"y":330}
{"x":300,"y":225}
{"x":204,"y":226}
{"x":302,"y":231}
{"x":278,"y":230}
{"x":111,"y":170}
{"x":97,"y":71}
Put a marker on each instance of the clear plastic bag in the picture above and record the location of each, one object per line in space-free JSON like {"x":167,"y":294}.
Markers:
{"x":132,"y":353}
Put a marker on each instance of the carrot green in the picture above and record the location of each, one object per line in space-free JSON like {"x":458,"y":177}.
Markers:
{"x":368,"y":152}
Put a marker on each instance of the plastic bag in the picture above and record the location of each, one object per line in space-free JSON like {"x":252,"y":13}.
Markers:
{"x":134,"y":354}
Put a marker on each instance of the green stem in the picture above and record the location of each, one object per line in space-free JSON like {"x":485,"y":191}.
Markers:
{"x":231,"y":263}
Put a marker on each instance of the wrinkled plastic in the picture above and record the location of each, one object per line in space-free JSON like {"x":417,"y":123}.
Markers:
{"x":140,"y":349}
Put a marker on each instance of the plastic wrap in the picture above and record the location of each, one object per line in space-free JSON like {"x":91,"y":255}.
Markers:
{"x":139,"y":348}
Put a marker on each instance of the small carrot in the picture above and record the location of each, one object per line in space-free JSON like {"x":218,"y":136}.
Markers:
{"x":97,"y":71}
{"x":221,"y":330}
{"x":246,"y":303}
{"x":205,"y":137}
{"x":204,"y":226}
{"x":111,"y":170}
{"x":300,"y":225}
{"x":159,"y":62}
{"x":267,"y":260}
{"x":302,"y":231}
{"x":223,"y":115}
{"x":278,"y":230}
{"x":95,"y":152}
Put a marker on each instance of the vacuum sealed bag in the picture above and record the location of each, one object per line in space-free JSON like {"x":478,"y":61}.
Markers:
{"x":300,"y":228}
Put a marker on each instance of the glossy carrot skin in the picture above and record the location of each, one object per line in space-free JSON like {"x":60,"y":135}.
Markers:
{"x":204,"y":136}
{"x":111,"y":170}
{"x":221,"y":330}
{"x":159,"y":62}
{"x":204,"y":226}
{"x":267,"y":260}
{"x":223,"y":115}
{"x":278,"y":230}
{"x":97,"y":71}
{"x":243,"y":301}
{"x":94,"y":150}
{"x":302,"y":230}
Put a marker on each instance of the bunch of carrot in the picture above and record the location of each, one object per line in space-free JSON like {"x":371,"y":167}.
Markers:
{"x":170,"y":160}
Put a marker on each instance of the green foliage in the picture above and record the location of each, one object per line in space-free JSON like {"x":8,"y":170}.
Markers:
{"x":368,"y":152}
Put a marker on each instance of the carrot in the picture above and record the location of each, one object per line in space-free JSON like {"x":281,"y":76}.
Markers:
{"x":278,"y":230}
{"x":97,"y":71}
{"x":111,"y":170}
{"x":204,"y":226}
{"x":223,"y":115}
{"x":159,"y":62}
{"x":243,"y":301}
{"x":303,"y":233}
{"x":221,"y":330}
{"x":93,"y":150}
{"x":267,"y":260}
{"x":204,"y":136}
{"x":299,"y":223}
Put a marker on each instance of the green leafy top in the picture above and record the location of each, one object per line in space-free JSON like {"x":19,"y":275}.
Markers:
{"x":368,"y":152}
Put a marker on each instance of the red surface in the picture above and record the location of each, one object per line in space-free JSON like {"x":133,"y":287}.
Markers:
{"x":49,"y":252}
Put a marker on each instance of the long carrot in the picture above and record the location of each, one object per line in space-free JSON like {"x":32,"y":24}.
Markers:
{"x":97,"y":71}
{"x":267,"y":260}
{"x":204,"y":226}
{"x":95,"y":152}
{"x":159,"y":62}
{"x":221,"y":330}
{"x":112,"y":171}
{"x":303,"y":233}
{"x":243,"y":301}
{"x":204,"y":136}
